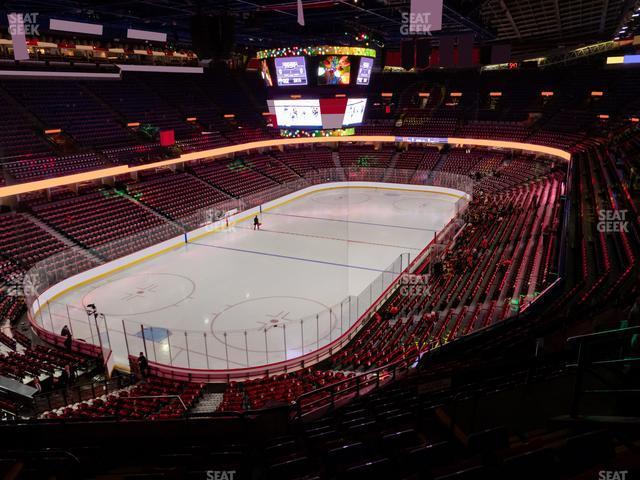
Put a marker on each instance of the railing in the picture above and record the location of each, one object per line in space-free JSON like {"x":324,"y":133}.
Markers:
{"x":90,"y":332}
{"x":152,"y":397}
{"x":78,"y":393}
{"x":339,"y":393}
{"x":610,"y":350}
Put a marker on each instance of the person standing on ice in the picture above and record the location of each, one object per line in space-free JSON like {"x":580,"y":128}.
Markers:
{"x":256,"y":223}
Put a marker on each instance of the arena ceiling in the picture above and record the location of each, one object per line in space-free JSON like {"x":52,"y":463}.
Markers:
{"x":527,"y":24}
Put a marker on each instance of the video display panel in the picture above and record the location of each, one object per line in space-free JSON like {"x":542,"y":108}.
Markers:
{"x":291,"y":71}
{"x":354,"y":113}
{"x":298,"y":113}
{"x":334,"y":70}
{"x":264,"y":73}
{"x":364,"y":71}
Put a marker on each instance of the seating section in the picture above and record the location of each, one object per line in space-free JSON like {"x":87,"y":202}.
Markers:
{"x":376,"y":128}
{"x":499,"y":256}
{"x":246,"y":135}
{"x":261,"y":392}
{"x":242,"y":95}
{"x":521,"y":169}
{"x":98,"y":220}
{"x":153,"y":399}
{"x":364,"y":157}
{"x":272,"y":168}
{"x":40,"y":362}
{"x":176,"y":195}
{"x":469,"y":161}
{"x":235,"y":177}
{"x":133,"y":154}
{"x":428,"y":125}
{"x":69,"y":106}
{"x":555,"y":139}
{"x":418,"y":158}
{"x":135,"y":102}
{"x":12,"y":307}
{"x":29,"y":169}
{"x":184,"y":93}
{"x":606,"y":260}
{"x":22,"y":240}
{"x":202,"y":141}
{"x":509,"y":131}
{"x":401,"y":432}
{"x":18,"y":137}
{"x":304,"y":161}
{"x":95,"y":115}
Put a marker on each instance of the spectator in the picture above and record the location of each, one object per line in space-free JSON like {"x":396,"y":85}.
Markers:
{"x":37,"y":385}
{"x":65,"y":331}
{"x":70,"y":374}
{"x":63,"y":379}
{"x":143,"y":365}
{"x":68,"y":341}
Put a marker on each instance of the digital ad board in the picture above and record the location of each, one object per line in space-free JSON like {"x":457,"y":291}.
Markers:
{"x":298,"y":113}
{"x":318,"y":113}
{"x":364,"y":71}
{"x":291,"y":71}
{"x":354,"y":113}
{"x":334,"y":70}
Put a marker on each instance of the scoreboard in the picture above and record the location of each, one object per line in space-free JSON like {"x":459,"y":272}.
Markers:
{"x":291,"y":71}
{"x":321,"y":87}
{"x":318,"y":112}
{"x":364,"y":71}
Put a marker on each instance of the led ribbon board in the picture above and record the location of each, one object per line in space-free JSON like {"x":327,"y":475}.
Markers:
{"x":311,"y":51}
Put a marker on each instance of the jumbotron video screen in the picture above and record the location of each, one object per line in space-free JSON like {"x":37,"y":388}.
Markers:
{"x":323,"y":87}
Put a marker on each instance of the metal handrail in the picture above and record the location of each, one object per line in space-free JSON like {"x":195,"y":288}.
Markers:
{"x":597,"y":335}
{"x":348,"y":384}
{"x":159,"y":396}
{"x":109,"y":386}
{"x":583,"y":363}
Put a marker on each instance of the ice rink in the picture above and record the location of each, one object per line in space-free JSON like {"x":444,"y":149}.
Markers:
{"x":239,"y":297}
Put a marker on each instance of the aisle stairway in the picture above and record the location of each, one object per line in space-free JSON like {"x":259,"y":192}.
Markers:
{"x":208,"y":403}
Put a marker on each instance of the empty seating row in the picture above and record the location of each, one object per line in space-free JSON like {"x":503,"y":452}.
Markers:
{"x":365,"y":157}
{"x":304,"y":161}
{"x":98,"y":220}
{"x":176,"y":195}
{"x":285,"y":388}
{"x":272,"y":168}
{"x":51,"y":166}
{"x":154,"y":398}
{"x":235,"y":177}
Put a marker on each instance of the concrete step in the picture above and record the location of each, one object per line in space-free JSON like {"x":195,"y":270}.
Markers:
{"x":209,"y":403}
